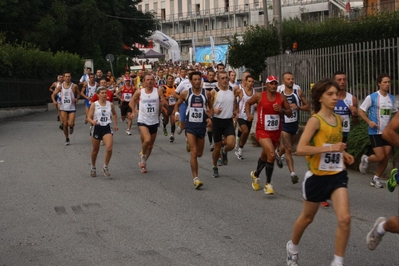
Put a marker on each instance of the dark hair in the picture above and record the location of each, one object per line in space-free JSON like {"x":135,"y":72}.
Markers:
{"x":220,"y":64}
{"x":249,"y":76}
{"x":222,"y":72}
{"x":169,"y":75}
{"x":67,"y":71}
{"x":381,"y":76}
{"x":88,"y":68}
{"x":318,"y":89}
{"x":190,"y":76}
{"x":211,"y":70}
{"x":339,"y":72}
{"x":287,"y":73}
{"x":91,"y":74}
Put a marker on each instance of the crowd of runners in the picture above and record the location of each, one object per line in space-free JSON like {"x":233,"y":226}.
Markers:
{"x":209,"y":103}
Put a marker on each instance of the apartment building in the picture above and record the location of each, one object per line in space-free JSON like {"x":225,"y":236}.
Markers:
{"x":185,"y":20}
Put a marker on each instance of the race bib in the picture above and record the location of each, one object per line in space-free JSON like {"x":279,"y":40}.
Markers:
{"x":293,"y":118}
{"x":127,"y":97}
{"x":272,"y":122}
{"x":196,"y":115}
{"x":331,"y":161}
{"x":103,"y":121}
{"x":172,"y":100}
{"x":150,"y":110}
{"x":346,"y":124}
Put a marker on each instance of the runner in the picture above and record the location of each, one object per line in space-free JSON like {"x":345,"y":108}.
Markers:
{"x":237,"y":90}
{"x":290,"y":128}
{"x":271,"y":105}
{"x":148,"y":117}
{"x":88,"y":91}
{"x":69,"y":96}
{"x":327,"y":177}
{"x":380,"y":106}
{"x":197,"y":120}
{"x":224,"y":110}
{"x":54,"y":85}
{"x":169,"y":102}
{"x":209,"y":84}
{"x":124,"y":94}
{"x":101,"y":114}
{"x":382,"y":224}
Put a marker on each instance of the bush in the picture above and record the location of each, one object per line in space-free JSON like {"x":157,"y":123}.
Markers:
{"x":359,"y":141}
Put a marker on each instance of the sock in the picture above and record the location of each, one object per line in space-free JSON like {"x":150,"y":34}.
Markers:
{"x":210,"y":136}
{"x":380,"y":228}
{"x":173,"y":128}
{"x":293,"y":248}
{"x":339,"y":260}
{"x":93,"y":167}
{"x":105,"y":166}
{"x":293,"y":173}
{"x":259,"y":168}
{"x":375,"y":177}
{"x":241,"y":147}
{"x":269,"y":172}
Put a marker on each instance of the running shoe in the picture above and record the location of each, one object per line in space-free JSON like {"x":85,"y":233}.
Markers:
{"x":165,"y":132}
{"x":93,"y":172}
{"x":172,"y":138}
{"x":70,"y":130}
{"x":106,"y":171}
{"x":178,"y":130}
{"x":144,"y":170}
{"x":292,"y":258}
{"x":224,"y":157}
{"x":268,"y":189}
{"x":325,"y":204}
{"x":188,"y":148}
{"x":363,"y":164}
{"x":102,"y":143}
{"x":141,"y":152}
{"x":255,"y":182}
{"x":215,"y":172}
{"x":238,"y":153}
{"x":211,"y":147}
{"x":220,"y":163}
{"x":375,"y":182}
{"x":67,"y":142}
{"x":392,"y":181}
{"x":142,"y":162}
{"x":279,"y":160}
{"x":61,"y":126}
{"x":294,"y":178}
{"x":334,"y":263}
{"x":373,"y":237}
{"x":197,"y":183}
{"x":128,"y":132}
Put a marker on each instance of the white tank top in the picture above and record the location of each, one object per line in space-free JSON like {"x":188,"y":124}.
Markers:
{"x":91,"y":90}
{"x":225,"y":100}
{"x":241,"y":105}
{"x":103,"y":114}
{"x":67,"y":99}
{"x":149,"y":108}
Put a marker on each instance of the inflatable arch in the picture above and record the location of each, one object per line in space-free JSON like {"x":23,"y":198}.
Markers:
{"x":168,"y":43}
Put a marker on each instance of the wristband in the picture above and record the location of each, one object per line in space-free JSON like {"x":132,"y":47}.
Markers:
{"x":177,"y":113}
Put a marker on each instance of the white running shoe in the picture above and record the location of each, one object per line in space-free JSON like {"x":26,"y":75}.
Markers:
{"x":363,"y":164}
{"x":128,"y":132}
{"x":292,"y":258}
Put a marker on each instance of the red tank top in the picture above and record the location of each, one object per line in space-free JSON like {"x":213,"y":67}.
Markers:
{"x":268,"y":118}
{"x":127,"y":93}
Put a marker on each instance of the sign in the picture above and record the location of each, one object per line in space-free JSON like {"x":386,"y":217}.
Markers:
{"x":204,"y":54}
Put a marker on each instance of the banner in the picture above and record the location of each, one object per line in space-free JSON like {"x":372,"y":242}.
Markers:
{"x":167,"y":42}
{"x":204,"y":54}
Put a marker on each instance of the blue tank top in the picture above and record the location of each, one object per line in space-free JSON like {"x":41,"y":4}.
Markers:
{"x":196,"y":109}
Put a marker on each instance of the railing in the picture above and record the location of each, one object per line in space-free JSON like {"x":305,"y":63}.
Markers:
{"x":362,"y":63}
{"x":18,"y":93}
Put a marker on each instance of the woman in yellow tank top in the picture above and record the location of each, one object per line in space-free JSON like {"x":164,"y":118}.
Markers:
{"x":321,"y":142}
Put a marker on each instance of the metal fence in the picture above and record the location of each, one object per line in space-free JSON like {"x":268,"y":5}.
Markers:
{"x":18,"y":93}
{"x":362,"y":63}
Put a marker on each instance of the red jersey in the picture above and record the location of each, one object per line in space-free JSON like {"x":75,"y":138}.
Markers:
{"x":127,"y":93}
{"x":269,"y":120}
{"x":110,"y":97}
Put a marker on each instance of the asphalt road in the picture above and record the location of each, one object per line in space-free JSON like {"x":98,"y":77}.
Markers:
{"x":53,"y":213}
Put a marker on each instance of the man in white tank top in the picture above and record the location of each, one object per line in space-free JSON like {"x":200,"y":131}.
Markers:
{"x":149,"y":99}
{"x":69,"y":97}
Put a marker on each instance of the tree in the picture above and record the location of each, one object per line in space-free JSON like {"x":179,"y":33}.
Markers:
{"x":89,"y":28}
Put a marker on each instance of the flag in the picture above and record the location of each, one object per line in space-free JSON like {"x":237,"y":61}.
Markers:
{"x":193,"y":48}
{"x":212,"y":47}
{"x":348,"y":6}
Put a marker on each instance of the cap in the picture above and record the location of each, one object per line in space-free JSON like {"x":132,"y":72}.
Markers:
{"x":126,"y":78}
{"x":100,"y":88}
{"x":271,"y":79}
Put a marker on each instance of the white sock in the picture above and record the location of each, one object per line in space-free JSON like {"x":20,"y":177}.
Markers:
{"x":375,"y":177}
{"x":380,"y":228}
{"x":339,"y":260}
{"x":105,"y":166}
{"x":293,"y":248}
{"x":293,"y":173}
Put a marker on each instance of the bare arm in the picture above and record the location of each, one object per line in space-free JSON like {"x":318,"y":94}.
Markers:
{"x":389,"y":133}
{"x":133,"y":102}
{"x":305,"y":106}
{"x":253,"y":100}
{"x":83,"y":92}
{"x":353,"y":108}
{"x":52,"y":87}
{"x":57,"y":90}
{"x":90,"y":115}
{"x":286,"y":105}
{"x":114,"y":116}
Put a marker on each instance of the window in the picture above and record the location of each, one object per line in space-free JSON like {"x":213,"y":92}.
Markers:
{"x":163,"y":15}
{"x":147,"y":8}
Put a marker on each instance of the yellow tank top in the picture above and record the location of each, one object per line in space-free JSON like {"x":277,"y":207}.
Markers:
{"x":328,"y":163}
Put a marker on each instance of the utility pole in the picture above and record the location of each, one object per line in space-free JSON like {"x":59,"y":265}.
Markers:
{"x":265,"y":14}
{"x":277,"y":19}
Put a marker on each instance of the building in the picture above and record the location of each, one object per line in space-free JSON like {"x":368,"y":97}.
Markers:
{"x":185,"y":20}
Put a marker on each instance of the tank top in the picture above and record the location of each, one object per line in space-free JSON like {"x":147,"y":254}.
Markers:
{"x":210,"y":85}
{"x":169,"y":92}
{"x":328,"y":163}
{"x":127,"y":93}
{"x":241,"y":104}
{"x":268,"y":118}
{"x":91,"y":90}
{"x":225,"y":100}
{"x":292,"y":98}
{"x":342,"y":109}
{"x":102,"y":114}
{"x":196,"y":109}
{"x":67,"y":98}
{"x":149,"y":108}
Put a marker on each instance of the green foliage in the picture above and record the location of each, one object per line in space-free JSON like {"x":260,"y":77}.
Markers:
{"x":28,"y":62}
{"x":359,"y":141}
